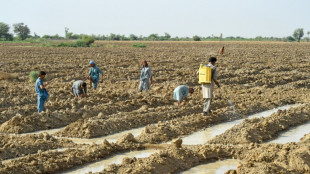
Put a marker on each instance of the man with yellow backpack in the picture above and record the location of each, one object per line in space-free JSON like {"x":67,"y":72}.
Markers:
{"x":207,"y":77}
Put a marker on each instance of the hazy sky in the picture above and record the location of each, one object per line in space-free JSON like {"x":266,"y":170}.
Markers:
{"x":246,"y":18}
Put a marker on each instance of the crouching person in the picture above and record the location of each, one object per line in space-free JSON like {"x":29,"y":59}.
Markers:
{"x":181,"y":92}
{"x":41,"y":91}
{"x":79,"y":88}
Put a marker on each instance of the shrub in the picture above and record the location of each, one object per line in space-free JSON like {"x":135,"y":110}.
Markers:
{"x":65,"y":45}
{"x":88,"y":40}
{"x":196,"y":38}
{"x":33,"y":76}
{"x":139,"y":45}
{"x":80,"y":43}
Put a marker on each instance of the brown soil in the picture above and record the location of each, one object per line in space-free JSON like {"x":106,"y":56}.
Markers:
{"x":267,"y":158}
{"x":12,"y":146}
{"x":254,"y":76}
{"x":54,"y":161}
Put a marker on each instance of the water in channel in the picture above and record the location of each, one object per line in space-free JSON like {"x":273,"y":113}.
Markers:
{"x":201,"y":137}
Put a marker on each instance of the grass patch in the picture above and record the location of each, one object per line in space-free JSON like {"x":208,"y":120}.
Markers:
{"x":139,"y":45}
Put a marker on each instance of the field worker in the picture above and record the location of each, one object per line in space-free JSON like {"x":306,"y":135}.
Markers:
{"x":79,"y":88}
{"x":221,"y":51}
{"x":41,"y":91}
{"x":94,"y":74}
{"x":181,"y":92}
{"x":145,"y":77}
{"x":207,"y":89}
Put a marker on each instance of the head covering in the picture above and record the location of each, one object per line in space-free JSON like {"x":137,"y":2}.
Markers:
{"x":92,"y":62}
{"x":146,"y":64}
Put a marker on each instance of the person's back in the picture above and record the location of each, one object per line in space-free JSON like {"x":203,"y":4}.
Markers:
{"x":77,"y":84}
{"x":79,"y":88}
{"x":182,"y":90}
{"x":180,"y":93}
{"x":39,"y":82}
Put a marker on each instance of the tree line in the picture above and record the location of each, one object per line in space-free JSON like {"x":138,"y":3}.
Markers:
{"x":22,"y":32}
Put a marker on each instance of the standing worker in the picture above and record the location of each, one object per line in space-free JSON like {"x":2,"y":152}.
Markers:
{"x":41,"y":91}
{"x":94,"y":74}
{"x":145,"y":77}
{"x":181,"y":92}
{"x":207,"y":88}
{"x":79,"y":88}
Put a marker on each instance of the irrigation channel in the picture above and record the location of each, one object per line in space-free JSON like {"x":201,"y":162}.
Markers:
{"x":214,"y":168}
{"x":292,"y":135}
{"x":200,"y":137}
{"x":203,"y":136}
{"x":117,"y":159}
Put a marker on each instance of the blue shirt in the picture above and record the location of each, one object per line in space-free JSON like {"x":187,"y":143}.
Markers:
{"x":145,"y":73}
{"x":180,"y":92}
{"x":37,"y":87}
{"x":94,"y":72}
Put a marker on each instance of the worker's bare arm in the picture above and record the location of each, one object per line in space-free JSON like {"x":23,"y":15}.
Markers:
{"x":217,"y":83}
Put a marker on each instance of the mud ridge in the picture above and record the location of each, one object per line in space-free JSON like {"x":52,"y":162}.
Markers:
{"x":54,"y":161}
{"x":173,"y":159}
{"x":56,"y":119}
{"x":95,"y":127}
{"x":16,"y":146}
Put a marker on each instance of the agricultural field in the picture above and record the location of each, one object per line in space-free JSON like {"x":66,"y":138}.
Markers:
{"x":73,"y":133}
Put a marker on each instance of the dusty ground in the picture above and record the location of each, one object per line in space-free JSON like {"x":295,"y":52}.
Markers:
{"x":254,"y":76}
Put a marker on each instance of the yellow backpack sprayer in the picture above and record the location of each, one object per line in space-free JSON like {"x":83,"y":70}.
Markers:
{"x":205,"y":74}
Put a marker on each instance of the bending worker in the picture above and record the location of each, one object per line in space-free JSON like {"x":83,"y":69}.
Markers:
{"x":79,"y":88}
{"x":94,"y":72}
{"x":181,"y":92}
{"x":207,"y":89}
{"x":145,"y":77}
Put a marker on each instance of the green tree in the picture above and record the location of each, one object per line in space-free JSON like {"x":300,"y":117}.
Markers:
{"x":114,"y":37}
{"x":167,"y":36}
{"x":290,"y":39}
{"x":133,"y":37}
{"x":21,"y":30}
{"x":298,"y":34}
{"x":196,"y":38}
{"x":4,"y":32}
{"x":153,"y":37}
{"x":308,"y":33}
